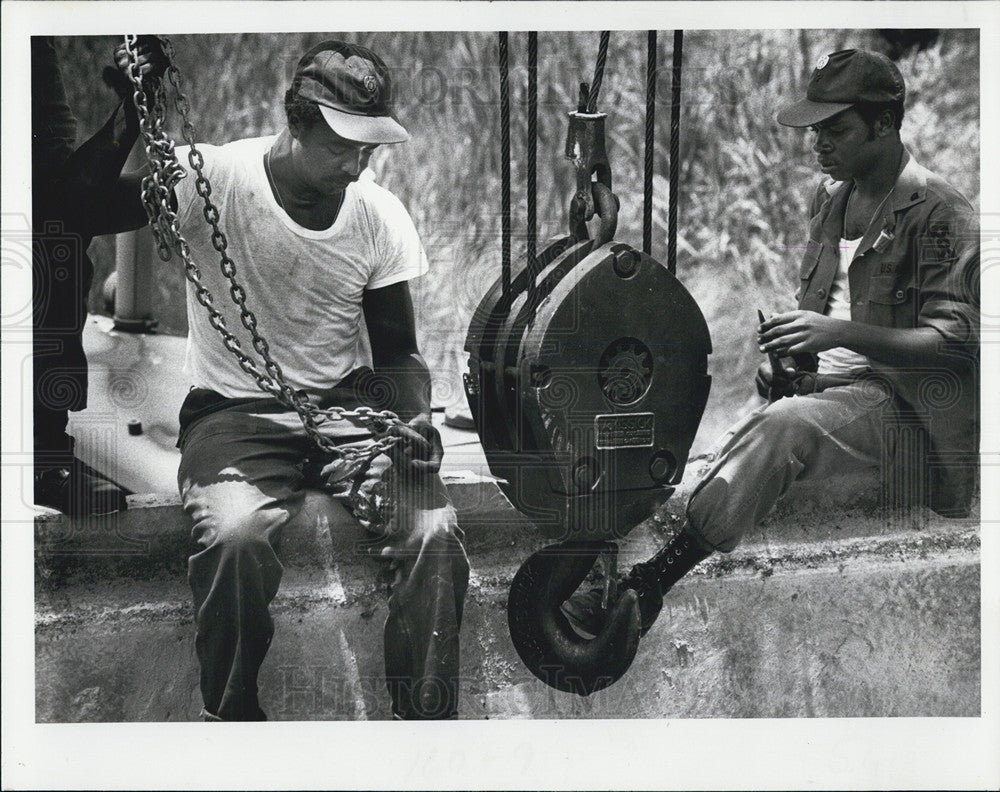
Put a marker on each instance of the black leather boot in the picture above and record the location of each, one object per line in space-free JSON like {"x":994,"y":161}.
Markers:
{"x":651,"y":580}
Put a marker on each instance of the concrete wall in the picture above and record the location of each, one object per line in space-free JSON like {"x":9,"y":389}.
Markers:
{"x":820,"y":613}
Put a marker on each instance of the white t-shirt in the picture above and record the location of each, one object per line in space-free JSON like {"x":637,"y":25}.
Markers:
{"x":304,"y":286}
{"x":841,"y":360}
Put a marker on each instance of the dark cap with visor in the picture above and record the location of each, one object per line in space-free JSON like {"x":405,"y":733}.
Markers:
{"x":353,"y":88}
{"x":841,"y":80}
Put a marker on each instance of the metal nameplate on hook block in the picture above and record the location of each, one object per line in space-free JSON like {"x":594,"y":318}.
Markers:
{"x":624,"y":430}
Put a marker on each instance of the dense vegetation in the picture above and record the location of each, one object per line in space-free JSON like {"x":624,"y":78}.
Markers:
{"x":744,"y":179}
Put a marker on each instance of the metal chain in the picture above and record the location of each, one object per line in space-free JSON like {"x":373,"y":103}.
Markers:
{"x":165,"y":172}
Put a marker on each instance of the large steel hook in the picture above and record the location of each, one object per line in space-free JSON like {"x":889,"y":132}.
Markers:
{"x":548,"y":645}
{"x":606,"y":205}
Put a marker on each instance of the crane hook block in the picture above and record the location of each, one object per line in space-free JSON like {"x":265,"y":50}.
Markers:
{"x":587,"y":380}
{"x":543,"y":637}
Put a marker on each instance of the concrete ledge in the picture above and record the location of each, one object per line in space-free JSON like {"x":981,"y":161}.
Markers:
{"x":153,"y":536}
{"x":890,"y":630}
{"x":834,"y":612}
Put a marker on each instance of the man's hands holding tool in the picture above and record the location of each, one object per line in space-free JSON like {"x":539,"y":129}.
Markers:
{"x":789,"y":341}
{"x":796,"y":332}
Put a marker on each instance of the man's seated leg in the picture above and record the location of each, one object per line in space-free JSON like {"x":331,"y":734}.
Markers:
{"x":240,"y":482}
{"x":836,"y":431}
{"x":430,"y":577}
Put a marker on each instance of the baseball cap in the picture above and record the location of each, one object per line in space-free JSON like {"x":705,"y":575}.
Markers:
{"x":841,"y":80}
{"x":353,"y":88}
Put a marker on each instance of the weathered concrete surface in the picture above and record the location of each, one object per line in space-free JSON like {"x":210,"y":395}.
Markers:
{"x":857,"y":615}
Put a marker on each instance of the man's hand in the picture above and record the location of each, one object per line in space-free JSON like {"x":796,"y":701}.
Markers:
{"x":773,"y":386}
{"x":419,"y":450}
{"x":152,"y":65}
{"x":796,"y":332}
{"x":768,"y":386}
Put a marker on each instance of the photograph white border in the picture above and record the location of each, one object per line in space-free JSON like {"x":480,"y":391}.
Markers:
{"x":747,"y":754}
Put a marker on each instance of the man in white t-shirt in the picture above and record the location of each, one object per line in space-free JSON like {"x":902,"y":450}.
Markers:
{"x":321,"y":252}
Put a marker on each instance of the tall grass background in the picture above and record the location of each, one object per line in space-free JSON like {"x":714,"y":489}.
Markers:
{"x":745,"y":181}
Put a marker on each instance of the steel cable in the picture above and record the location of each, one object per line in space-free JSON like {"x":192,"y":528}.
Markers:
{"x":675,"y":145}
{"x":602,"y":57}
{"x":504,"y":169}
{"x":532,"y":221}
{"x":647,"y":180}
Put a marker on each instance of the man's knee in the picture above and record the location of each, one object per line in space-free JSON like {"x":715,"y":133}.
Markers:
{"x":787,"y":424}
{"x":433,"y":535}
{"x":442,"y":537}
{"x":235,"y":530}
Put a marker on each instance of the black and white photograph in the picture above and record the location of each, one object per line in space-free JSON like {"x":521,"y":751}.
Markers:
{"x":609,"y":381}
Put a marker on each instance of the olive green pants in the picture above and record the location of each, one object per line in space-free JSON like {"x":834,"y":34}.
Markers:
{"x":835,"y":431}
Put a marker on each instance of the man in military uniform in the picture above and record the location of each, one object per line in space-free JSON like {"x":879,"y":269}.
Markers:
{"x":888,"y":308}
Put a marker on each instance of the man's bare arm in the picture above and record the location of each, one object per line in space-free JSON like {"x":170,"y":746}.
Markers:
{"x":389,"y":316}
{"x":808,"y":331}
{"x":391,"y":329}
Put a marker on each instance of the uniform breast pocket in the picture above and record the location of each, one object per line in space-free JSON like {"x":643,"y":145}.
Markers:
{"x":892,"y":301}
{"x":887,"y":290}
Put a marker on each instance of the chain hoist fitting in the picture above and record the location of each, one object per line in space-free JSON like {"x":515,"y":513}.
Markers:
{"x":586,"y":149}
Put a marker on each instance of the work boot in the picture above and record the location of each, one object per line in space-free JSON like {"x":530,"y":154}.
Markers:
{"x":76,"y":492}
{"x":585,"y":610}
{"x":650,"y":580}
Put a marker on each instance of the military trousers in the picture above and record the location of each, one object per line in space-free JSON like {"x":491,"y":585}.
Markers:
{"x":838,"y":430}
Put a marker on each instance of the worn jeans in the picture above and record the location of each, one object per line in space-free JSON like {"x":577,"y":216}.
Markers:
{"x":241,"y":481}
{"x":835,"y":431}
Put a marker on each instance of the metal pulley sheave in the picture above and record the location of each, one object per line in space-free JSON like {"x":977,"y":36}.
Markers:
{"x":587,"y":381}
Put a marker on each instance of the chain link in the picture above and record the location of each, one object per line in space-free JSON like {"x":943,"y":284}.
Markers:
{"x":165,"y":172}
